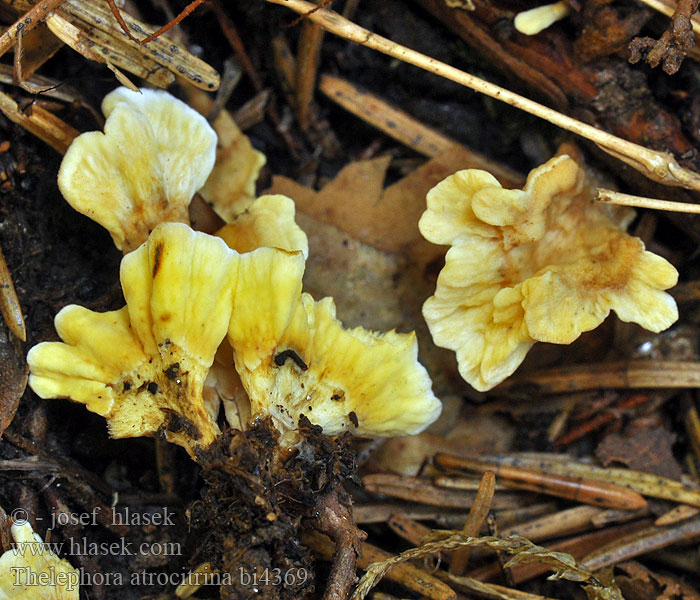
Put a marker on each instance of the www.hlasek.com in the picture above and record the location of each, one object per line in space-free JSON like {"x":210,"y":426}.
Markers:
{"x":82,"y":547}
{"x":72,"y":580}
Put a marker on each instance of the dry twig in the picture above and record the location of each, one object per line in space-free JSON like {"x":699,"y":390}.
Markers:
{"x":421,"y":490}
{"x":646,"y":484}
{"x":380,"y":512}
{"x":577,"y":546}
{"x":658,"y":166}
{"x":407,"y":575}
{"x":408,"y":529}
{"x":668,"y":7}
{"x":9,"y":303}
{"x":409,"y":131}
{"x":168,"y":26}
{"x":522,"y":551}
{"x":601,"y":419}
{"x":692,"y":425}
{"x":633,"y":374}
{"x":41,"y":123}
{"x":676,"y":515}
{"x":308,"y":55}
{"x":642,"y":542}
{"x":611,"y":197}
{"x":575,"y":487}
{"x":558,"y":524}
{"x":491,"y":590}
{"x":335,"y":519}
{"x":476,"y":518}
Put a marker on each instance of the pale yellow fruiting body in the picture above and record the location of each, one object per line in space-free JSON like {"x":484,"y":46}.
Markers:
{"x":147,"y":368}
{"x":230,"y":188}
{"x":31,"y":571}
{"x":267,"y":291}
{"x":531,"y":22}
{"x":267,"y":222}
{"x":540,"y":264}
{"x":294,"y":357}
{"x":143,"y":367}
{"x":223,"y":386}
{"x":154,"y":154}
{"x":344,"y":380}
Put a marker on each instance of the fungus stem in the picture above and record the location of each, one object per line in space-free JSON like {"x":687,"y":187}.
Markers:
{"x":531,"y":22}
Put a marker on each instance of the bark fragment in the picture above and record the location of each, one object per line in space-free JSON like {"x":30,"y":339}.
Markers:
{"x":672,"y":47}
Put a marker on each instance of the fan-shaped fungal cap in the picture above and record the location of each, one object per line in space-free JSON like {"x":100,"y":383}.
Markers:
{"x":267,"y":222}
{"x":31,"y":571}
{"x":154,"y":154}
{"x":143,"y":367}
{"x":343,"y":380}
{"x":540,"y":264}
{"x":294,"y":357}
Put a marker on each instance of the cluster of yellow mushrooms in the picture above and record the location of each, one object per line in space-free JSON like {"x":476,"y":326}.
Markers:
{"x":210,"y":319}
{"x":221,"y":320}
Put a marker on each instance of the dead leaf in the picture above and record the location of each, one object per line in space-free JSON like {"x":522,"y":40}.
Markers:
{"x":639,"y":583}
{"x":378,"y":290}
{"x":357,"y":203}
{"x":347,"y":201}
{"x":470,"y":435}
{"x":641,"y":448}
{"x":358,"y":276}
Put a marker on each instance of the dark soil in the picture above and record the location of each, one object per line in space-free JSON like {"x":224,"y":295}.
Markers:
{"x":254,"y":502}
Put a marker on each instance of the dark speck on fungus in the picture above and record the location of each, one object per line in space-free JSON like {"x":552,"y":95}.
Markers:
{"x":172,"y":371}
{"x":282,"y":357}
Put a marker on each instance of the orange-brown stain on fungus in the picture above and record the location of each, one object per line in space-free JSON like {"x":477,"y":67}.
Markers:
{"x":157,"y":253}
